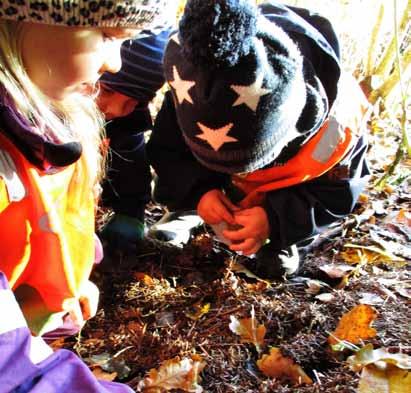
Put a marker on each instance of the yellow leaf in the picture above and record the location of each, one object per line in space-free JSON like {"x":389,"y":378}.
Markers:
{"x":249,"y":330}
{"x":198,"y":310}
{"x":354,"y":326}
{"x":382,"y":371}
{"x":368,"y":254}
{"x":275,"y":365}
{"x":391,"y":380}
{"x":380,"y":357}
{"x":174,"y":374}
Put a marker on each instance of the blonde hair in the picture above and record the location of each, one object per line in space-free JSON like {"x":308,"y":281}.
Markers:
{"x":75,"y":119}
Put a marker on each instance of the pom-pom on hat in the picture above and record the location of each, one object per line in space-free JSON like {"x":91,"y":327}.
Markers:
{"x":141,"y":73}
{"x":239,"y":86}
{"x":96,"y":13}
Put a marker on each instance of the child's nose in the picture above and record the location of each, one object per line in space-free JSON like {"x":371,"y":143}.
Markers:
{"x":112,"y":61}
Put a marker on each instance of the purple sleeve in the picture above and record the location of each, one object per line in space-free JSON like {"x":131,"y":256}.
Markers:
{"x":23,"y":369}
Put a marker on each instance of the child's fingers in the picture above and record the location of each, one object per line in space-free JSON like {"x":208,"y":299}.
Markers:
{"x":225,"y":215}
{"x":247,"y":247}
{"x":230,"y":205}
{"x":236,"y":235}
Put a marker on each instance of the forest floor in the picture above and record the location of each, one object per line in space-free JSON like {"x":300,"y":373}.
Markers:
{"x":180,"y":302}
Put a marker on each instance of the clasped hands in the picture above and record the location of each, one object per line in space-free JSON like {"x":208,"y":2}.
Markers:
{"x":215,"y":207}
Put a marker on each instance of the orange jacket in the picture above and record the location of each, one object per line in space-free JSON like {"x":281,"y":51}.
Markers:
{"x":319,"y":154}
{"x":47,"y":235}
{"x":324,"y":150}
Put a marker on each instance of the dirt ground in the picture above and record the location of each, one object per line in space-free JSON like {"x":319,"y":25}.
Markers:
{"x":152,"y":312}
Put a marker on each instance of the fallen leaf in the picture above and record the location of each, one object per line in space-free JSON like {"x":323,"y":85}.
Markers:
{"x":354,"y":326}
{"x":404,"y":217}
{"x":104,"y":376}
{"x":315,"y":286}
{"x":379,"y":357}
{"x":174,"y":374}
{"x":144,"y":278}
{"x":259,"y":286}
{"x":336,"y":270}
{"x":165,"y":318}
{"x":249,"y":330}
{"x":275,"y":365}
{"x":198,"y":310}
{"x":371,"y":299}
{"x":237,"y":267}
{"x":392,"y":380}
{"x":110,"y":364}
{"x":355,"y":253}
{"x":382,"y":371}
{"x":325,"y":297}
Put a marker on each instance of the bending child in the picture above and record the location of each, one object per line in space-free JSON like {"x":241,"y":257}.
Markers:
{"x":124,"y":98}
{"x":255,"y":133}
{"x":51,"y":55}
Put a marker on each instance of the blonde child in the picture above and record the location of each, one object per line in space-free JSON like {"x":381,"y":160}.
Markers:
{"x":51,"y":55}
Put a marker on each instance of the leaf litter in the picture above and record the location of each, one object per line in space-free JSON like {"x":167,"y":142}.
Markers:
{"x":172,"y":305}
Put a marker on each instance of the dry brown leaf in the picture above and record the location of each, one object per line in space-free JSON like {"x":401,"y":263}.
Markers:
{"x":104,"y":376}
{"x":334,"y":270}
{"x":174,"y":374}
{"x":275,"y":365}
{"x":249,"y":330}
{"x":354,"y":326}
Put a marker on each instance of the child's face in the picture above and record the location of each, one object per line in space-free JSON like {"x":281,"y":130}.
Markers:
{"x":114,"y":104}
{"x":66,"y":60}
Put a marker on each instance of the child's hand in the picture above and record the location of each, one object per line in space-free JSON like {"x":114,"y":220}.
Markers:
{"x":86,"y":306}
{"x":214,"y":207}
{"x":254,"y":232}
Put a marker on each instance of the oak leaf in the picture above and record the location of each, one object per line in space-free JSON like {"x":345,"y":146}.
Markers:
{"x":249,"y":330}
{"x":354,"y":326}
{"x":174,"y":374}
{"x":275,"y":365}
{"x":382,"y":371}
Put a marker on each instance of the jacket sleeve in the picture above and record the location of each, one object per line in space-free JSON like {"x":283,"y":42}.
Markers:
{"x":28,"y":364}
{"x":181,"y":179}
{"x":305,"y":210}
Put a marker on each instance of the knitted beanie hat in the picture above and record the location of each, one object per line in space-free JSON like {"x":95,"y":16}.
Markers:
{"x":93,"y":13}
{"x":141,"y":73}
{"x":238,"y":85}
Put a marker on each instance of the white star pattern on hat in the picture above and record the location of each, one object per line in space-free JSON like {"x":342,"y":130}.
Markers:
{"x":181,"y":87}
{"x":216,"y":137}
{"x":250,"y":95}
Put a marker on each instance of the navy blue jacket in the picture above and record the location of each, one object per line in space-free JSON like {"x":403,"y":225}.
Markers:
{"x":126,"y":188}
{"x":295,"y":213}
